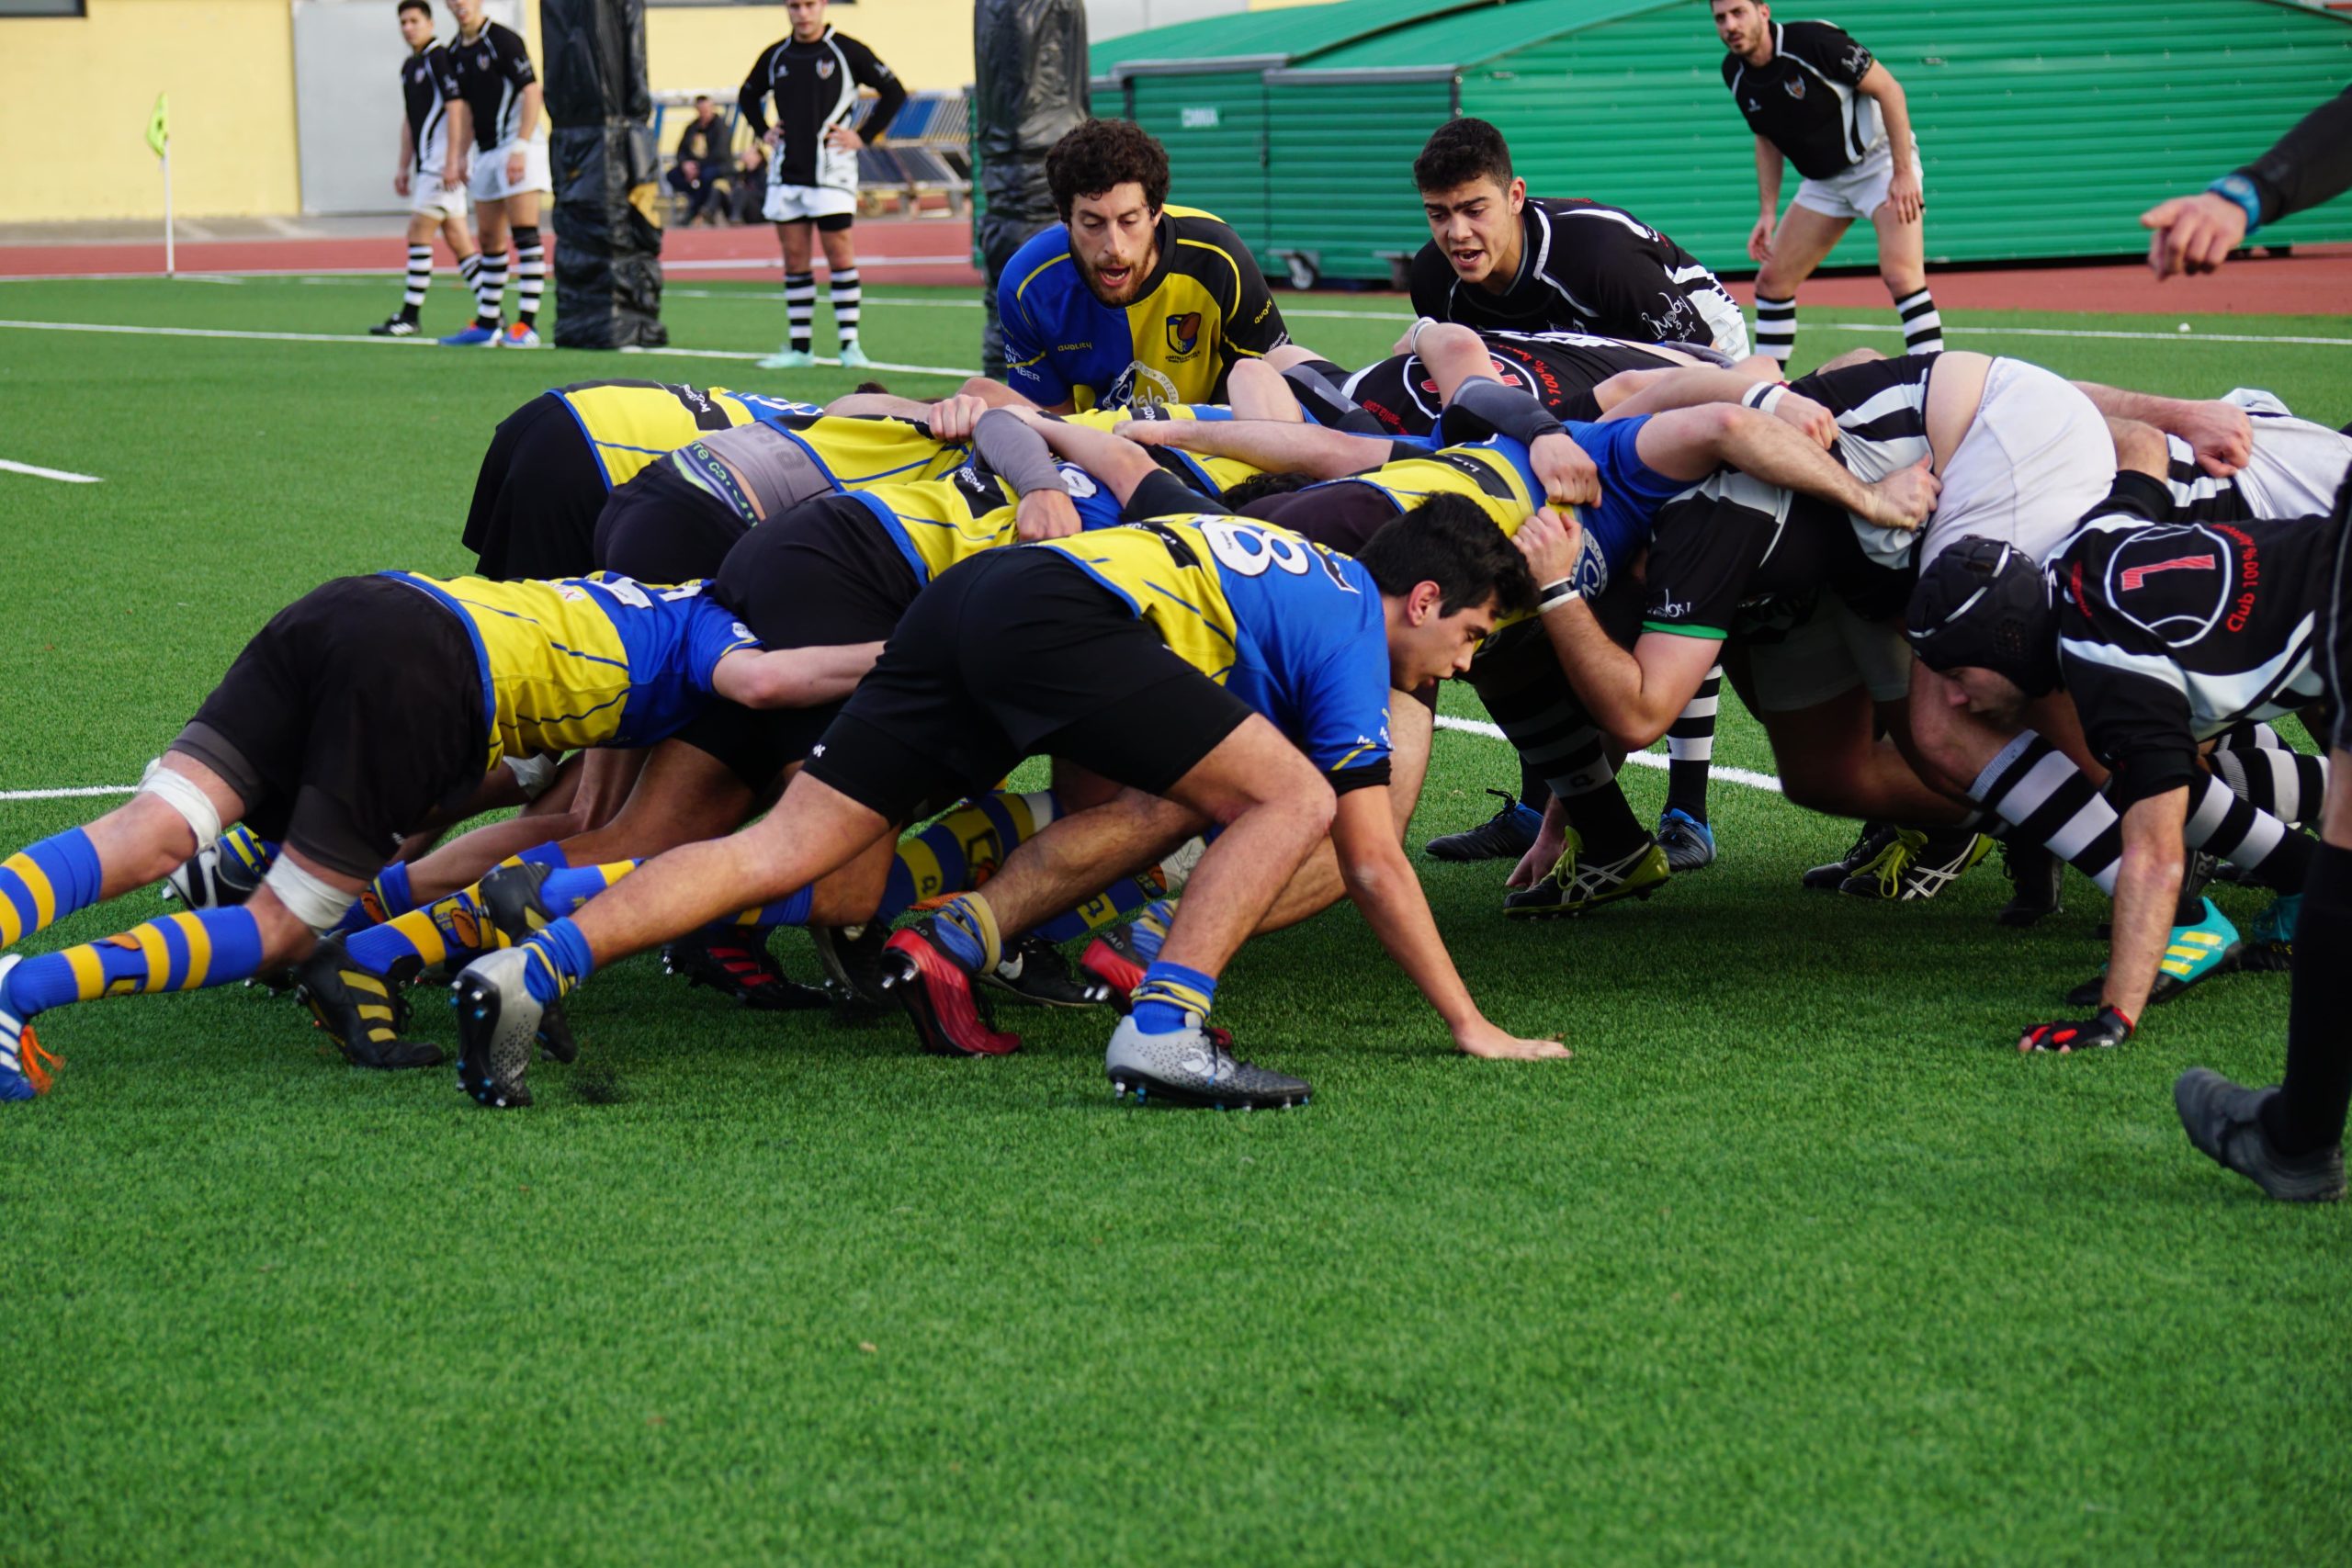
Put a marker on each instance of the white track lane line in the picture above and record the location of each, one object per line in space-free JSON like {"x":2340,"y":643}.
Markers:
{"x":1445,"y":721}
{"x":60,"y":475}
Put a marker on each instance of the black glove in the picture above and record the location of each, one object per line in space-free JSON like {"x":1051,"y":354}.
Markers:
{"x":2109,"y":1028}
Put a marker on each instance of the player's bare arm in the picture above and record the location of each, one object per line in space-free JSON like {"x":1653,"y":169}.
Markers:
{"x":793,"y":677}
{"x":1690,"y":443}
{"x":2147,"y":888}
{"x":2220,"y":433}
{"x":1271,"y":446}
{"x":1664,"y":390}
{"x":1770,"y":165}
{"x":1903,"y":193}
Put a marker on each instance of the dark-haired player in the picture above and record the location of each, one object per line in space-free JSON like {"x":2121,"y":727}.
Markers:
{"x":503,"y":103}
{"x":813,"y":77}
{"x":1502,"y":260}
{"x":1817,"y":99}
{"x":432,"y":145}
{"x":1228,"y":666}
{"x":1127,"y":299}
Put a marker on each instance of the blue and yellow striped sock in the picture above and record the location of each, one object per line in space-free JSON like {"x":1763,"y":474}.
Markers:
{"x":560,"y":960}
{"x":179,"y":953}
{"x":566,"y":890}
{"x":963,"y":849}
{"x":965,"y":927}
{"x":450,"y":925}
{"x":46,"y":883}
{"x":1151,"y":928}
{"x":1108,"y":907}
{"x":790,"y":910}
{"x":1169,"y":991}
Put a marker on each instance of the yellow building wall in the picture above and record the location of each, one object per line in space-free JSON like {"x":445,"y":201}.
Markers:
{"x":75,"y":92}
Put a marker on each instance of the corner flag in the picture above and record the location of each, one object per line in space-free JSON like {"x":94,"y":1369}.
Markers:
{"x":159,"y":125}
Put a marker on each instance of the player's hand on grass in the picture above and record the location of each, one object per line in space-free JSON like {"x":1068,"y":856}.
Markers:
{"x":1760,"y":240}
{"x":1568,"y":476}
{"x":1810,"y":418}
{"x":1483,"y":1040}
{"x":1551,"y":541}
{"x":2221,"y":434}
{"x":1541,"y":855}
{"x":1906,"y":498}
{"x":2109,"y":1028}
{"x":2192,"y":233}
{"x":951,"y":419}
{"x":1044,"y":515}
{"x":1904,"y":195}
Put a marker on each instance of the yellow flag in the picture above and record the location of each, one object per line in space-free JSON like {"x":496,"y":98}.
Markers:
{"x":159,"y":126}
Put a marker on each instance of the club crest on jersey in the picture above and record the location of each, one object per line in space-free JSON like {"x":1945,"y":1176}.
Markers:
{"x":2175,"y":583}
{"x":1184,"y":332}
{"x":825,"y":69}
{"x":1795,"y":86}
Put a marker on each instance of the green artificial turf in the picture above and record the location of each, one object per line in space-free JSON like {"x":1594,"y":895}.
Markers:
{"x":1797,"y":1260}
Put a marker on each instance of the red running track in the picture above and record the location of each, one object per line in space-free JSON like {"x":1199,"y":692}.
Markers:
{"x":2314,"y":281}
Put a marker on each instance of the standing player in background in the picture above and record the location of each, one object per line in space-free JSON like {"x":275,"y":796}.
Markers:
{"x":814,"y":76}
{"x":502,"y":98}
{"x":432,"y":146}
{"x":1817,"y":99}
{"x":1128,"y":301}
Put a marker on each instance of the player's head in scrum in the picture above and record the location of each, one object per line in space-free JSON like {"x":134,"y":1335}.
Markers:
{"x":1109,"y":178}
{"x":1472,"y":200}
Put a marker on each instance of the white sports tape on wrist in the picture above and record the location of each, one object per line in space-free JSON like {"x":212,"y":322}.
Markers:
{"x":310,"y":901}
{"x":1177,"y":869}
{"x":182,"y":795}
{"x":533,"y":774}
{"x":1764,"y":396}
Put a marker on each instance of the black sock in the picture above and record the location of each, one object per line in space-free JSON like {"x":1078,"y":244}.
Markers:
{"x":1533,"y":793}
{"x":2307,"y":1115}
{"x":1605,"y":819}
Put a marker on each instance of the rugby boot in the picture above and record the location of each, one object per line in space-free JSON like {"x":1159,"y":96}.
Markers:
{"x":1689,"y":843}
{"x":2224,"y":1121}
{"x":937,"y":994}
{"x":2270,"y":935}
{"x":498,"y":1028}
{"x":1867,"y":847}
{"x":1112,"y":960}
{"x":1504,"y":836}
{"x":511,"y":898}
{"x":223,"y":872}
{"x":1574,"y":886}
{"x":852,"y":959}
{"x":854,"y":358}
{"x":1936,"y":860}
{"x":393,"y":326}
{"x":2037,"y":879}
{"x":1035,"y":971}
{"x":789,"y":358}
{"x":518,"y":336}
{"x":475,"y":336}
{"x":24,"y":1065}
{"x":364,"y":1012}
{"x":1189,"y":1066}
{"x":2197,"y":952}
{"x":734,"y":961}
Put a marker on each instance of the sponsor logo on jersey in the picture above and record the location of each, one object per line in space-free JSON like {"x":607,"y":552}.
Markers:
{"x":2181,"y":578}
{"x":1184,"y":332}
{"x":1858,"y":59}
{"x":2133,"y":577}
{"x":1141,"y":384}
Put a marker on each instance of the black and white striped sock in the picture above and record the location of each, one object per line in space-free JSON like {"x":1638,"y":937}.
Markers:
{"x":2248,"y":735}
{"x":489,"y":290}
{"x":2285,"y":784}
{"x":530,"y":274}
{"x":1776,"y":327}
{"x":420,"y":279}
{"x":2268,"y":853}
{"x":1690,"y":747}
{"x":1923,"y":329}
{"x":2032,"y":785}
{"x":800,"y":308}
{"x":470,"y":273}
{"x":842,"y":289}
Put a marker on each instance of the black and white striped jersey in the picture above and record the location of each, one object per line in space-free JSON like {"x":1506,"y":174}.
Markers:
{"x":815,"y":88}
{"x":493,"y":68}
{"x":1803,"y":101}
{"x":1881,"y":407}
{"x":428,"y":87}
{"x":1583,"y":266}
{"x":2296,"y":468}
{"x":1732,"y":555}
{"x":1558,"y":369}
{"x":2170,"y":633}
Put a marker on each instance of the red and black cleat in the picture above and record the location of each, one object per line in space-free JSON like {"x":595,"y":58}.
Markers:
{"x":1112,"y":959}
{"x":937,"y":994}
{"x":739,"y":965}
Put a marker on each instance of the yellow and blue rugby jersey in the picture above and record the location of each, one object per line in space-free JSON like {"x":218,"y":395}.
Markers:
{"x":1291,"y":628}
{"x":630,"y":424}
{"x":936,"y":523}
{"x":854,"y":452}
{"x":1211,"y":477}
{"x":1496,"y":473}
{"x":1205,"y":306}
{"x":599,"y":661}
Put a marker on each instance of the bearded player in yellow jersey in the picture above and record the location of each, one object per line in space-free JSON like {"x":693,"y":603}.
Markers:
{"x":312,"y":740}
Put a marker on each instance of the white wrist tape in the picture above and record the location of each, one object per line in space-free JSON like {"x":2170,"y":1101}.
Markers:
{"x":1764,"y":396}
{"x":533,"y":774}
{"x":307,"y":899}
{"x":181,"y":794}
{"x":1413,"y":334}
{"x":1177,"y":869}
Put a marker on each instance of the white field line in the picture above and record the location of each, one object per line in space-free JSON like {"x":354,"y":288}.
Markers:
{"x":41,"y":473}
{"x":1466,"y":726}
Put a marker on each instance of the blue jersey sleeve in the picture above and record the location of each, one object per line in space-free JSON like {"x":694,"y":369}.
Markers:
{"x":1344,"y":715}
{"x":712,"y":633}
{"x":1024,"y":304}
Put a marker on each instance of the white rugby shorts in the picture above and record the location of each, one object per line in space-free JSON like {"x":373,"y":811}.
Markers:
{"x":490,"y":183}
{"x":1860,"y":190}
{"x":427,"y":195}
{"x":795,"y":204}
